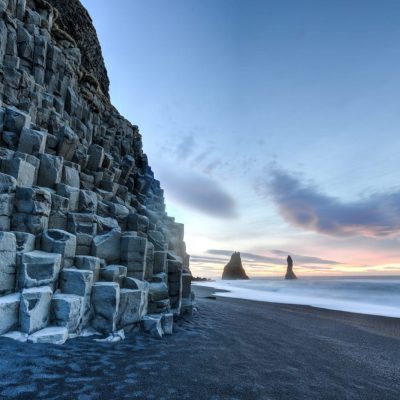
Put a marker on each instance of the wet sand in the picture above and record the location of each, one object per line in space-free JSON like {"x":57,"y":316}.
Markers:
{"x":229,"y":349}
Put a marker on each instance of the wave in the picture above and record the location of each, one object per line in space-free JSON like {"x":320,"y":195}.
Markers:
{"x":373,"y":296}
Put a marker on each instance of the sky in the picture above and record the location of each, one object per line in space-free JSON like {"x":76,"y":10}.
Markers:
{"x":273,"y":126}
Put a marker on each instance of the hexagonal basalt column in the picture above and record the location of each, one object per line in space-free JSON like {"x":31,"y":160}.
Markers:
{"x":61,"y":242}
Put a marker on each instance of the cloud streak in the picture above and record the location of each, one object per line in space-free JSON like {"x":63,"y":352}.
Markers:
{"x":305,"y":206}
{"x":251,"y":257}
{"x":199,"y":192}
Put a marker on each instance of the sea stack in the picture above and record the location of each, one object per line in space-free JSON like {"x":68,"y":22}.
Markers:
{"x":289,"y":272}
{"x":234,"y":269}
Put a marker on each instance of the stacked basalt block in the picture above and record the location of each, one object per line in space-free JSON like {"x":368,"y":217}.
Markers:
{"x":85,"y":241}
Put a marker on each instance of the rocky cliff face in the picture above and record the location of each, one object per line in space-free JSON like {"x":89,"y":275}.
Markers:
{"x":84,"y":237}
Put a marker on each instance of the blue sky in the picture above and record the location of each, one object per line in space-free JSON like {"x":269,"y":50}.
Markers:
{"x":272,"y":125}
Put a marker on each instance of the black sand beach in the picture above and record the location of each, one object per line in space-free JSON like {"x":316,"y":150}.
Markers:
{"x":230,"y":349}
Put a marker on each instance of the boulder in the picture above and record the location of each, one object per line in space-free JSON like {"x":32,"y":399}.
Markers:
{"x":34,"y":309}
{"x":38,"y":268}
{"x":105,"y":304}
{"x":51,"y":334}
{"x":167,"y":323}
{"x":78,"y":282}
{"x":9,"y":310}
{"x":131,"y":308}
{"x":152,"y":325}
{"x":66,"y":311}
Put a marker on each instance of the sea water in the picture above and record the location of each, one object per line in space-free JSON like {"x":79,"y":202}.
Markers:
{"x":365,"y":295}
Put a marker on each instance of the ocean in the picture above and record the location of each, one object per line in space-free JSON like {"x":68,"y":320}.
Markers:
{"x":365,"y":295}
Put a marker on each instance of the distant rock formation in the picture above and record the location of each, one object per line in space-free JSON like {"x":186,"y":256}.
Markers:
{"x":289,"y":272}
{"x":234,"y":269}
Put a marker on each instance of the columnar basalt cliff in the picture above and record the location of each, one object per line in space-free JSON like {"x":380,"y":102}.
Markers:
{"x":85,"y":240}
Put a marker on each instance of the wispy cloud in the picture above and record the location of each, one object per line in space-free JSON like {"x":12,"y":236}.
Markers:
{"x":304,"y":205}
{"x":198,"y":192}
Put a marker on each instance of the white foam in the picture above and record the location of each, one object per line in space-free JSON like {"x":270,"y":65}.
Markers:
{"x":373,"y":296}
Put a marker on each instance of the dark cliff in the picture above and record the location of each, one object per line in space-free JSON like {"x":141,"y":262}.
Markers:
{"x":84,"y":236}
{"x":74,"y":19}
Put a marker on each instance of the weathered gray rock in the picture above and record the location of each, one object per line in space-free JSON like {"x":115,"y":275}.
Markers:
{"x":51,"y":334}
{"x":105,"y":303}
{"x":8,"y":258}
{"x":9,"y":310}
{"x":87,"y":201}
{"x":34,"y":201}
{"x":8,"y":183}
{"x":158,"y":291}
{"x":68,"y":143}
{"x":78,"y":282}
{"x":131,"y":308}
{"x":160,"y":262}
{"x":152,"y":324}
{"x":6,"y":204}
{"x":71,"y":193}
{"x":70,"y":177}
{"x":89,"y":263}
{"x":50,"y":170}
{"x":34,"y":309}
{"x":66,"y":311}
{"x":74,"y":181}
{"x":15,"y":120}
{"x":167,"y":323}
{"x":96,"y":157}
{"x":61,"y":242}
{"x":32,"y":142}
{"x":134,"y":255}
{"x":107,"y":246}
{"x":113,"y":273}
{"x":38,"y":268}
{"x":22,"y":171}
{"x":25,"y":242}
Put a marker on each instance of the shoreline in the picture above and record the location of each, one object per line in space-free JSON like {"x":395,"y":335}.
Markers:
{"x":388,"y":326}
{"x":229,"y":349}
{"x":351,"y":305}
